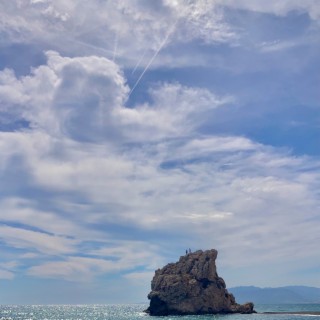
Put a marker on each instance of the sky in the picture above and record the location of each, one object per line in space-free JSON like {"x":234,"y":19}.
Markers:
{"x":131,"y":130}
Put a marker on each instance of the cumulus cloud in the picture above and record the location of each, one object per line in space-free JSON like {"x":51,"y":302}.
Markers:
{"x":83,"y":140}
{"x":84,"y":99}
{"x":86,"y":165}
{"x":71,"y":95}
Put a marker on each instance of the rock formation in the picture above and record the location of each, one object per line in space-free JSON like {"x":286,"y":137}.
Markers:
{"x":192,"y":286}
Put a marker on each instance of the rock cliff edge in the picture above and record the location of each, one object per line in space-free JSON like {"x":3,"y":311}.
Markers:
{"x":192,"y":286}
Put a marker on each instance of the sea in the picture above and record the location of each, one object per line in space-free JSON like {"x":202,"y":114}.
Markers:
{"x":135,"y":312}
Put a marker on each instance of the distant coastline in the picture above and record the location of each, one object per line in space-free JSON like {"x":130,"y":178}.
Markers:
{"x":279,"y":295}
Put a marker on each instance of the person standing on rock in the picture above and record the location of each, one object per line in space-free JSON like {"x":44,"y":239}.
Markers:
{"x":186,"y":251}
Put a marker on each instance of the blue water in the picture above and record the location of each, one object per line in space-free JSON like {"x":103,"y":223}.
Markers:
{"x":135,"y":311}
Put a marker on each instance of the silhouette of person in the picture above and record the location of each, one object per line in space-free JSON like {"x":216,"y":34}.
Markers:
{"x":186,"y":252}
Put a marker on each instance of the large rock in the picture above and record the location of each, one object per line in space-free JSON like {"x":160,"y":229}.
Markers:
{"x":192,"y":286}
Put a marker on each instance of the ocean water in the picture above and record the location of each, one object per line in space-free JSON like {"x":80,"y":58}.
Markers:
{"x":135,"y":312}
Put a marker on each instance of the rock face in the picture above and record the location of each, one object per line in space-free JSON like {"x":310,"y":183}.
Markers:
{"x":192,"y":286}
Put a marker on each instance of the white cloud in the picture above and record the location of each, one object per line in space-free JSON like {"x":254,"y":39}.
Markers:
{"x":84,"y":99}
{"x":146,"y":168}
{"x":167,"y":180}
{"x":176,"y":110}
{"x":10,"y":265}
{"x":4,"y":274}
{"x":95,"y":183}
{"x":41,"y":242}
{"x":114,"y":257}
{"x":201,"y":19}
{"x":74,"y":269}
{"x":122,"y":30}
{"x":130,"y":254}
{"x":281,"y":8}
{"x":22,"y":211}
{"x":278,"y":45}
{"x":29,"y":255}
{"x":210,"y":145}
{"x":139,"y":278}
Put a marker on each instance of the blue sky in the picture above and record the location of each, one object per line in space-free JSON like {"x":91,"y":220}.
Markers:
{"x":132,"y":130}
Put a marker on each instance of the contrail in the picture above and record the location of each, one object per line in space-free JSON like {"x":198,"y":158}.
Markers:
{"x":115,"y":47}
{"x":152,"y":59}
{"x":92,"y":46}
{"x":139,"y":62}
{"x":77,"y":35}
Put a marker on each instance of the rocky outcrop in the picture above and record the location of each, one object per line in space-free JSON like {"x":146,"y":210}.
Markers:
{"x":192,"y":286}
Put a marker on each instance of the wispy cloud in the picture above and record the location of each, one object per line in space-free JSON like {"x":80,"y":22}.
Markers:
{"x":41,"y":242}
{"x":115,"y":256}
{"x":4,"y":274}
{"x":275,"y":7}
{"x":138,"y":27}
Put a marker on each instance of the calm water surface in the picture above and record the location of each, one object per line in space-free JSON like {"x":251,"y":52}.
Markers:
{"x":135,"y":311}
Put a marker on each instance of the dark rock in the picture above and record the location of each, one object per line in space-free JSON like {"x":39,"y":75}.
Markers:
{"x":192,"y":286}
